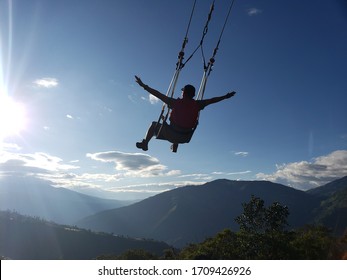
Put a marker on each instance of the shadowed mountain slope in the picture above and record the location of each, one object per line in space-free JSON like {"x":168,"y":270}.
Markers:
{"x":192,"y":213}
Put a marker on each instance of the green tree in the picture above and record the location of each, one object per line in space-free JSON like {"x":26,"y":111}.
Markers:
{"x":170,"y":254}
{"x":262,"y":232}
{"x":223,"y":246}
{"x":262,"y":235}
{"x":316,"y":243}
{"x":256,"y":218}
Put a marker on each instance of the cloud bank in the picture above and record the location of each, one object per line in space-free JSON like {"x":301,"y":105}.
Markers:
{"x":36,"y":163}
{"x":306,"y":175}
{"x":137,"y":175}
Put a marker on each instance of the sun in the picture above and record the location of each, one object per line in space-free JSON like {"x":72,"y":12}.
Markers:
{"x":12,"y":117}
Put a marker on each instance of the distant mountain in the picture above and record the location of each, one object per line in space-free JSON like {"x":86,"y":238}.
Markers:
{"x":184,"y":215}
{"x":330,"y":188}
{"x":35,"y":197}
{"x":192,"y":213}
{"x":27,"y":238}
{"x":332,"y":210}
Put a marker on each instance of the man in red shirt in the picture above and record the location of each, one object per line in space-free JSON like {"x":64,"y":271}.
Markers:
{"x":183,"y":117}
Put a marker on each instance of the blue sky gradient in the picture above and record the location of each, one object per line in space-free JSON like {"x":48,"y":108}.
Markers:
{"x":71,"y":66}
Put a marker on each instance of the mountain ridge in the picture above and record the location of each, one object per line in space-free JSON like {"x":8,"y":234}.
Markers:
{"x":192,"y":213}
{"x":183,"y":215}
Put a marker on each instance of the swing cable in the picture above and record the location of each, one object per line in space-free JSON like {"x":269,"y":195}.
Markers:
{"x":208,"y":68}
{"x":171,"y":89}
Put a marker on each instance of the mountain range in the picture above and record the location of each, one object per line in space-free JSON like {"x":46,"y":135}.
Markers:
{"x":192,"y":213}
{"x":178,"y":217}
{"x":35,"y":197}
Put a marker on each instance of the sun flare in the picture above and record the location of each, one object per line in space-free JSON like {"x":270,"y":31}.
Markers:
{"x":12,"y":117}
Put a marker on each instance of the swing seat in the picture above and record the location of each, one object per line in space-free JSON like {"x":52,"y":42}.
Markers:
{"x":173,"y":134}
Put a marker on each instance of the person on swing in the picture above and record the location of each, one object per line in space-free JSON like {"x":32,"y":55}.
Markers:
{"x":183,"y":117}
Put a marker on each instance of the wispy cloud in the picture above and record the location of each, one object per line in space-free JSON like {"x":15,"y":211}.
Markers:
{"x":9,"y":146}
{"x":129,"y":167}
{"x":306,"y":175}
{"x":254,"y":11}
{"x":206,"y":177}
{"x":47,"y":167}
{"x":37,"y":163}
{"x":239,"y":173}
{"x":46,"y":82}
{"x":242,"y":154}
{"x":197,"y":177}
{"x":145,"y":190}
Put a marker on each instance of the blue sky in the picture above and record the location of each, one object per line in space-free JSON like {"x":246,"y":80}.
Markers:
{"x":67,"y":73}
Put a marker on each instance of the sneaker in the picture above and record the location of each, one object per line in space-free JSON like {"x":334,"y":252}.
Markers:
{"x":142,"y":145}
{"x":174,"y":147}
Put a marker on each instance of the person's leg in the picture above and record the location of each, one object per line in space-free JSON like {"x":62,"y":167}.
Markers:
{"x":174,"y":147}
{"x":150,"y":133}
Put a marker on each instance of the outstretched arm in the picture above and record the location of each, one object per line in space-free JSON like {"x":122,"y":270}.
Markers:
{"x":218,"y":98}
{"x":153,"y":91}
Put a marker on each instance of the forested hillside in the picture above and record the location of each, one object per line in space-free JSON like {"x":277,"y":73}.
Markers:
{"x":23,"y":237}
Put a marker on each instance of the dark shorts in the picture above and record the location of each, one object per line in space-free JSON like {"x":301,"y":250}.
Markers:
{"x":173,"y":134}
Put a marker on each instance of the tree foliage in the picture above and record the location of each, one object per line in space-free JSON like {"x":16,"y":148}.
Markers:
{"x":256,"y":218}
{"x":263,"y":235}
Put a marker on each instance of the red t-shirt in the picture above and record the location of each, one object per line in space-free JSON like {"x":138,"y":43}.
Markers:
{"x":184,"y":112}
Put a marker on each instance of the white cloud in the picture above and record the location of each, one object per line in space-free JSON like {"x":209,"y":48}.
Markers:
{"x":201,"y":177}
{"x":153,"y":188}
{"x":206,"y":177}
{"x":53,"y":169}
{"x":37,"y":163}
{"x":239,"y":173}
{"x":46,"y":82}
{"x":140,"y":164}
{"x":49,"y":168}
{"x":254,"y":11}
{"x":69,"y":116}
{"x":242,"y":154}
{"x":306,"y":175}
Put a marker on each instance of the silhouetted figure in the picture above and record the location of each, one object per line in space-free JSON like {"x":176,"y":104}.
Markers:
{"x":183,"y":117}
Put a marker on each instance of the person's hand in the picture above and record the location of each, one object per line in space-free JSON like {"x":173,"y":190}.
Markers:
{"x":139,"y":81}
{"x":230,"y":94}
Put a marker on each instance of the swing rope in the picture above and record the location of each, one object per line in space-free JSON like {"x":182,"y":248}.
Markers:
{"x":179,"y":65}
{"x":204,"y":32}
{"x":207,"y":68}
